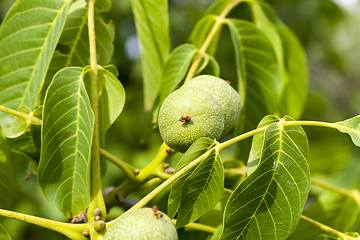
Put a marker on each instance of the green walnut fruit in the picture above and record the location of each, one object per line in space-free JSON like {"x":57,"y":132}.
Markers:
{"x":188,"y":114}
{"x":228,"y":98}
{"x":142,"y":224}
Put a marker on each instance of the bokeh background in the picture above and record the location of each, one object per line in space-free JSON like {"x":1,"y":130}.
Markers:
{"x":328,"y":30}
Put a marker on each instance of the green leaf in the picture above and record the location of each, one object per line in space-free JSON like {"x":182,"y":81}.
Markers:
{"x":27,"y":43}
{"x":111,"y":100}
{"x":75,"y":37}
{"x":176,"y":68}
{"x":152,"y":26}
{"x":214,"y":65}
{"x":103,"y":5}
{"x":202,"y":30}
{"x":64,"y":168}
{"x":198,"y":148}
{"x":217,"y":234}
{"x":217,"y":7}
{"x":259,"y":78}
{"x":3,"y":234}
{"x":202,"y":190}
{"x":269,"y":202}
{"x":258,"y":143}
{"x":351,"y":127}
{"x":6,"y":175}
{"x":295,"y":91}
{"x":111,"y":104}
{"x":267,"y":27}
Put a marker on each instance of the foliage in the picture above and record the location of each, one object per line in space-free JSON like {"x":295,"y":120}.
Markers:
{"x":60,"y":100}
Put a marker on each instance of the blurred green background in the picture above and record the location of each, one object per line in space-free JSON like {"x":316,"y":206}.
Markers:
{"x":327,"y":29}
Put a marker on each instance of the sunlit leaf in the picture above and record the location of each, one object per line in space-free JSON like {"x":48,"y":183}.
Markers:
{"x":64,"y":168}
{"x":74,"y":42}
{"x":6,"y":176}
{"x":175,"y":69}
{"x":269,"y":202}
{"x":197,"y":149}
{"x":27,"y":43}
{"x":202,"y":190}
{"x":351,"y":127}
{"x":111,"y":104}
{"x":152,"y":26}
{"x":259,"y":78}
{"x":3,"y":234}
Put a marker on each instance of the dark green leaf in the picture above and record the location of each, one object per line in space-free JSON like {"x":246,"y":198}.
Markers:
{"x":3,"y":234}
{"x":6,"y":175}
{"x":175,"y":69}
{"x":27,"y":43}
{"x":267,"y":27}
{"x":269,"y":202}
{"x":351,"y":127}
{"x":152,"y":26}
{"x":197,"y":149}
{"x":75,"y":37}
{"x":202,"y":190}
{"x":259,"y":78}
{"x":64,"y":168}
{"x":295,"y":91}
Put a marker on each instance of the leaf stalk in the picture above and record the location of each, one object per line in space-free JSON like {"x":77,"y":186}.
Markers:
{"x":124,"y":166}
{"x":28,"y":117}
{"x":72,"y":231}
{"x":96,"y":188}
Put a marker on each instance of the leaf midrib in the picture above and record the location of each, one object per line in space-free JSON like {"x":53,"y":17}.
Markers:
{"x":272,"y":178}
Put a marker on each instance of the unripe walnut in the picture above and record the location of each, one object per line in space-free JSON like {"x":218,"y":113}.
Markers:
{"x":142,"y":224}
{"x":228,"y":98}
{"x":188,"y":114}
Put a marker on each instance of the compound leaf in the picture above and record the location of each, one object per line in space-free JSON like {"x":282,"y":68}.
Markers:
{"x":64,"y":168}
{"x":198,"y":148}
{"x":269,"y":202}
{"x":27,"y":43}
{"x":202,"y":190}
